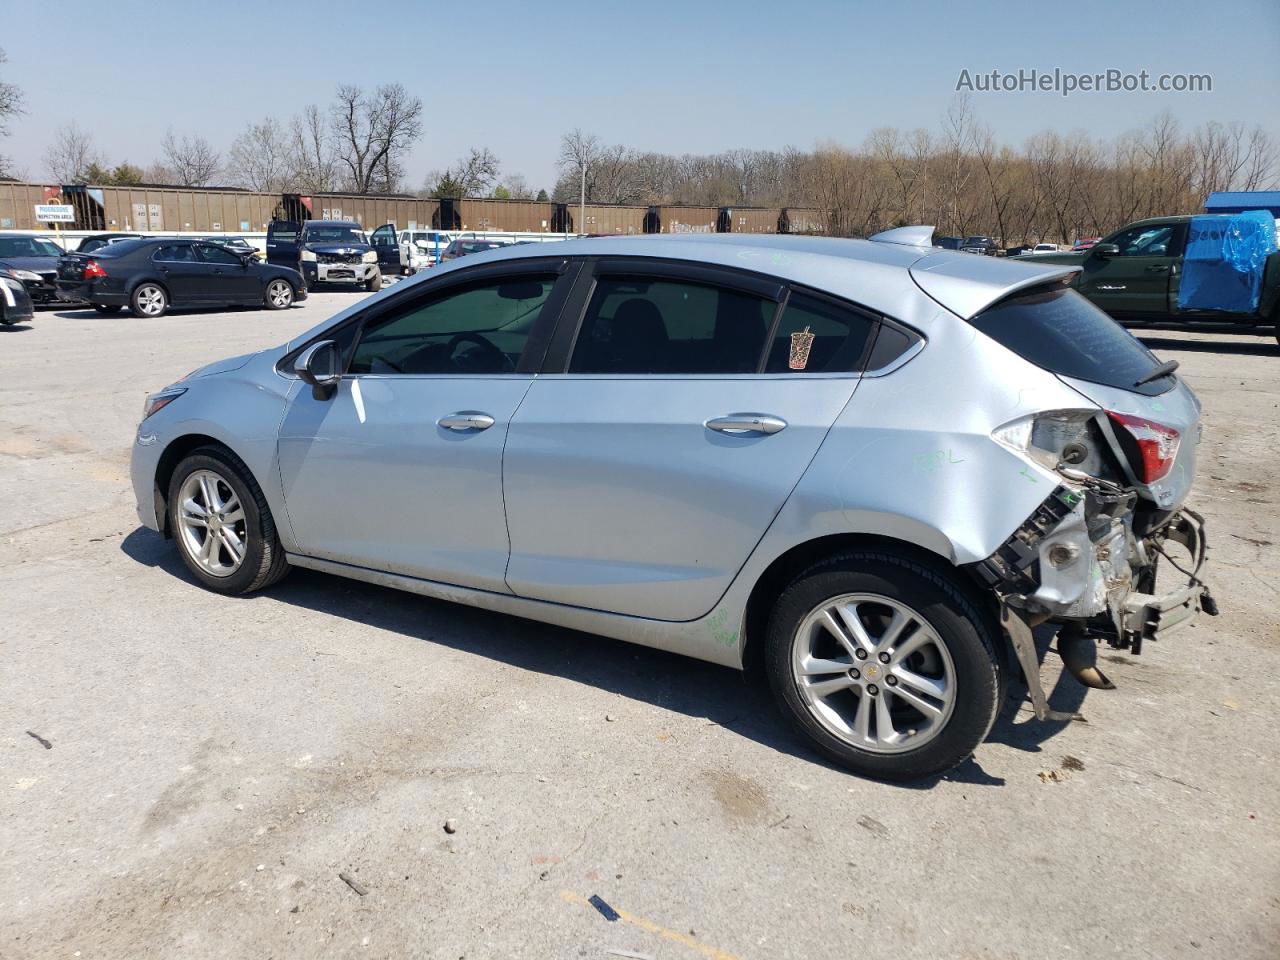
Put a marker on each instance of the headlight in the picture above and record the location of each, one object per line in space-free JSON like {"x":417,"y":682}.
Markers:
{"x":158,"y":401}
{"x":11,"y":283}
{"x":370,"y":257}
{"x":26,"y":275}
{"x":308,"y":255}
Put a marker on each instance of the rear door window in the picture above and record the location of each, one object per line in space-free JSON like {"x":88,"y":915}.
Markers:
{"x":817,"y":336}
{"x":1059,"y":330}
{"x":638,"y":326}
{"x":175,"y":253}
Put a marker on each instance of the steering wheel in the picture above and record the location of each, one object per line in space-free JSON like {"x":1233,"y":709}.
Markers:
{"x":486,"y":347}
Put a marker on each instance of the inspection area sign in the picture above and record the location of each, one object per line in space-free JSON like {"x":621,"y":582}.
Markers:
{"x":55,"y":213}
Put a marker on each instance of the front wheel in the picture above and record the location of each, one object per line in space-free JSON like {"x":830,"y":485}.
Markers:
{"x":279,"y":295}
{"x":149,"y":300}
{"x":374,"y":283}
{"x":222,"y":523}
{"x":885,"y":665}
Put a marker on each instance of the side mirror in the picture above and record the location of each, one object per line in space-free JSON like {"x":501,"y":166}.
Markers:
{"x":318,"y":366}
{"x":1105,"y":250}
{"x":246,"y":259}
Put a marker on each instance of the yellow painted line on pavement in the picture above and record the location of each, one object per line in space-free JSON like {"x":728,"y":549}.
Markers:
{"x":713,"y":953}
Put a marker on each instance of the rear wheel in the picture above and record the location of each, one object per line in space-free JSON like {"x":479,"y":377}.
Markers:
{"x":885,"y":665}
{"x":149,"y":300}
{"x":279,"y":295}
{"x":224,"y":529}
{"x":107,"y":309}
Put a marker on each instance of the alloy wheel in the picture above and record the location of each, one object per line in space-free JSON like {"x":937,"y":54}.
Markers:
{"x":280,"y":293}
{"x":874,"y":673}
{"x":150,"y":300}
{"x":214,"y":532}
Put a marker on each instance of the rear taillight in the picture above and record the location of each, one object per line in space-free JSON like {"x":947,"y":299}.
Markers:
{"x":93,"y":269}
{"x":1157,"y":444}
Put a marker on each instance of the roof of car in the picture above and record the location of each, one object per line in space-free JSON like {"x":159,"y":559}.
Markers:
{"x":333,"y":223}
{"x":887,"y":277}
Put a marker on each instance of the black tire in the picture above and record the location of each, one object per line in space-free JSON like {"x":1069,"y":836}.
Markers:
{"x":264,"y":560}
{"x":938,"y":598}
{"x":149,"y":300}
{"x":374,"y":283}
{"x":269,"y":298}
{"x":107,"y":309}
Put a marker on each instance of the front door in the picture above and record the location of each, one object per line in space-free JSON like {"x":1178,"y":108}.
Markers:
{"x":401,"y":469}
{"x":640,"y":480}
{"x":388,"y":249}
{"x":229,"y":280}
{"x":1135,"y":281}
{"x":283,"y":238}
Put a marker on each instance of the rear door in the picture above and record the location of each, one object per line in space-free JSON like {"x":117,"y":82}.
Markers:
{"x":1136,"y":281}
{"x":682,"y":410}
{"x":401,"y":469}
{"x":384,"y":242}
{"x":283,"y":237}
{"x":187,"y":279}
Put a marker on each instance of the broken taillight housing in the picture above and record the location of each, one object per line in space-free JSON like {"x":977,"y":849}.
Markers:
{"x":93,"y":269}
{"x":1057,"y":437}
{"x":1157,"y":444}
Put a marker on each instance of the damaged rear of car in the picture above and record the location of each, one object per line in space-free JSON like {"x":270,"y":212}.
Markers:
{"x":1087,"y":559}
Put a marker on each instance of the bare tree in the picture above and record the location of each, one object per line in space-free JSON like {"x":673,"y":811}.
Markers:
{"x":314,"y":168}
{"x":259,"y":158}
{"x":193,"y":162}
{"x":71,"y":154}
{"x":578,"y":154}
{"x":10,"y":106}
{"x":373,"y":132}
{"x":518,"y":187}
{"x":477,"y":172}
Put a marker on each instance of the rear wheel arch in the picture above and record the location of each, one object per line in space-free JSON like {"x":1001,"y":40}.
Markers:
{"x":795,"y":561}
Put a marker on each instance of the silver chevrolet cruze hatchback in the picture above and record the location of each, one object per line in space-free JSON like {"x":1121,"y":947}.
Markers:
{"x":865,"y":468}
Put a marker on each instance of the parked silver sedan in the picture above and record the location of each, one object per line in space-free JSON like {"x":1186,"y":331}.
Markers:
{"x":864,"y":468}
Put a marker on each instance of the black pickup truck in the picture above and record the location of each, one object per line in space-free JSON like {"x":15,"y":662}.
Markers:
{"x":1137,"y":275}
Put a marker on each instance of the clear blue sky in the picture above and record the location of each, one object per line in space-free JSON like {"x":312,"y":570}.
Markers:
{"x":677,"y":77}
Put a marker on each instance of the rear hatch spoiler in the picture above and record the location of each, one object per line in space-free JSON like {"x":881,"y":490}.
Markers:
{"x":967,"y":284}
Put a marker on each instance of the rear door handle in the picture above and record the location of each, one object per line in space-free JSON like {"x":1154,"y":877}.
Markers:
{"x":740,"y":423}
{"x":466,"y":420}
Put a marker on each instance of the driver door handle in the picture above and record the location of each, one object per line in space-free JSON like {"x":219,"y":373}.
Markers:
{"x":740,"y":423}
{"x":466,"y":420}
{"x":1157,"y":268}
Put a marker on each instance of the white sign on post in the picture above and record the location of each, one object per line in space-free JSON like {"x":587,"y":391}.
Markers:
{"x":55,"y":213}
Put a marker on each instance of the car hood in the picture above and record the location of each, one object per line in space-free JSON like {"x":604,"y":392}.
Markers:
{"x":37,"y":264}
{"x":338,"y":248}
{"x":221,"y":366}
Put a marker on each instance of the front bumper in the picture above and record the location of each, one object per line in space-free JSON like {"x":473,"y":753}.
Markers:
{"x":315,"y":272}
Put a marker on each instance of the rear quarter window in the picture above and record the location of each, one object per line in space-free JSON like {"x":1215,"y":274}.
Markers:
{"x":1058,"y":330}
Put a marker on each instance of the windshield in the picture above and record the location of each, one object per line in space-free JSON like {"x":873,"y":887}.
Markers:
{"x":1059,"y":330}
{"x":333,"y":235}
{"x":28,"y":247}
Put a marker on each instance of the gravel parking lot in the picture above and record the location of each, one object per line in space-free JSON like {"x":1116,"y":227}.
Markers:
{"x":184,"y":772}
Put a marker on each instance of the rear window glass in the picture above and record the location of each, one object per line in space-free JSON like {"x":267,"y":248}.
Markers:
{"x":121,"y":247}
{"x":1058,"y":329}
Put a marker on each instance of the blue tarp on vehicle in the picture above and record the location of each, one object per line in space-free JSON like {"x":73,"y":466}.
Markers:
{"x":1224,"y":260}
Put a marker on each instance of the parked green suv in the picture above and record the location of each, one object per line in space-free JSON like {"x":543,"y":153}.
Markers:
{"x":1135,"y":274}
